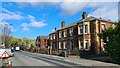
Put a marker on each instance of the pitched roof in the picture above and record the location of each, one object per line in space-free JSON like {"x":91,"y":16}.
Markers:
{"x":42,"y":37}
{"x":82,"y":20}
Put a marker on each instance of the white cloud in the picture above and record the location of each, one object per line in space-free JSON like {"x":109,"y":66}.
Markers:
{"x":105,"y":10}
{"x":37,"y":24}
{"x":25,"y":26}
{"x":71,"y":8}
{"x":8,"y":15}
{"x":33,"y":23}
{"x":31,"y":18}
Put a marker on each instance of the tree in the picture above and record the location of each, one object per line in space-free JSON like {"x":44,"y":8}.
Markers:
{"x":6,"y":34}
{"x":111,"y":39}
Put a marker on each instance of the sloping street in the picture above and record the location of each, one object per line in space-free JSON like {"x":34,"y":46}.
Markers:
{"x":23,"y":58}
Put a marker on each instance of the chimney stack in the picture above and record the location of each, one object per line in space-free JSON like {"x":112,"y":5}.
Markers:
{"x":62,"y":24}
{"x":55,"y":28}
{"x":84,"y":15}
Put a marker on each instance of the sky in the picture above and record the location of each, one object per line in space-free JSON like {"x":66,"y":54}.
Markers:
{"x":32,"y":18}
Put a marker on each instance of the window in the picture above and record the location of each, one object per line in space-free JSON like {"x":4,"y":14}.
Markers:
{"x":60,"y":45}
{"x":60,"y":34}
{"x":71,"y":45}
{"x":71,"y":31}
{"x":81,"y":29}
{"x":65,"y":33}
{"x":51,"y":37}
{"x":86,"y":44}
{"x":54,"y":36}
{"x":103,"y":27}
{"x":81,"y":44}
{"x":86,"y":28}
{"x":64,"y":45}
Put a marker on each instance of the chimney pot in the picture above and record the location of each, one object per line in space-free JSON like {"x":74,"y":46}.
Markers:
{"x":84,"y":15}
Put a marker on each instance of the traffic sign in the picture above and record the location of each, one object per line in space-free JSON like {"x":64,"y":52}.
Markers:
{"x":5,"y":55}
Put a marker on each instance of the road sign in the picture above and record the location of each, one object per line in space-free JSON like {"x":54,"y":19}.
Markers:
{"x":5,"y":55}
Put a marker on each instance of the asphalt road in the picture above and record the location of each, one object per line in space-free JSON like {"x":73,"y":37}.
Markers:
{"x":30,"y":59}
{"x":23,"y":59}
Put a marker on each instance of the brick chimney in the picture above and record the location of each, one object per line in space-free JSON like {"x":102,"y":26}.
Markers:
{"x":62,"y":24}
{"x":84,"y":15}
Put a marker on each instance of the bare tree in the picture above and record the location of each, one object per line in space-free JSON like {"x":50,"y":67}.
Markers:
{"x":6,"y":34}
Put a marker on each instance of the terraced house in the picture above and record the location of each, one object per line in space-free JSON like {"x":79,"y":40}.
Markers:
{"x":81,"y":35}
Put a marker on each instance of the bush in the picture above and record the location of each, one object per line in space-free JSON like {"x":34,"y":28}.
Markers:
{"x":111,"y":37}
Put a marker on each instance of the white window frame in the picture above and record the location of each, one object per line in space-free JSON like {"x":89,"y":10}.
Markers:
{"x":54,"y":36}
{"x":51,"y":37}
{"x":81,"y":26}
{"x":103,"y":26}
{"x":60,"y":45}
{"x":71,"y":31}
{"x":64,"y":45}
{"x":60,"y":34}
{"x":81,"y":45}
{"x":65,"y":33}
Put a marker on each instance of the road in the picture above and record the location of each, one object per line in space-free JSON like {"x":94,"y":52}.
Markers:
{"x":23,"y":59}
{"x":32,"y":59}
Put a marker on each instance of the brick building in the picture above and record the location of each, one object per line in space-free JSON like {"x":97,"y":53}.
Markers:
{"x":41,"y":42}
{"x":81,"y":35}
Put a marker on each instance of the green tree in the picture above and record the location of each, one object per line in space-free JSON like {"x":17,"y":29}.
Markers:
{"x":111,"y":39}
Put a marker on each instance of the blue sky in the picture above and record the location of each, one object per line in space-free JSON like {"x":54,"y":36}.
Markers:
{"x":30,"y":19}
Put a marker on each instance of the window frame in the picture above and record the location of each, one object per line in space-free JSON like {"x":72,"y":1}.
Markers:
{"x":60,"y":43}
{"x":103,"y":28}
{"x":60,"y":34}
{"x":88,"y":47}
{"x":81,"y":29}
{"x":86,"y":29}
{"x":71,"y":31}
